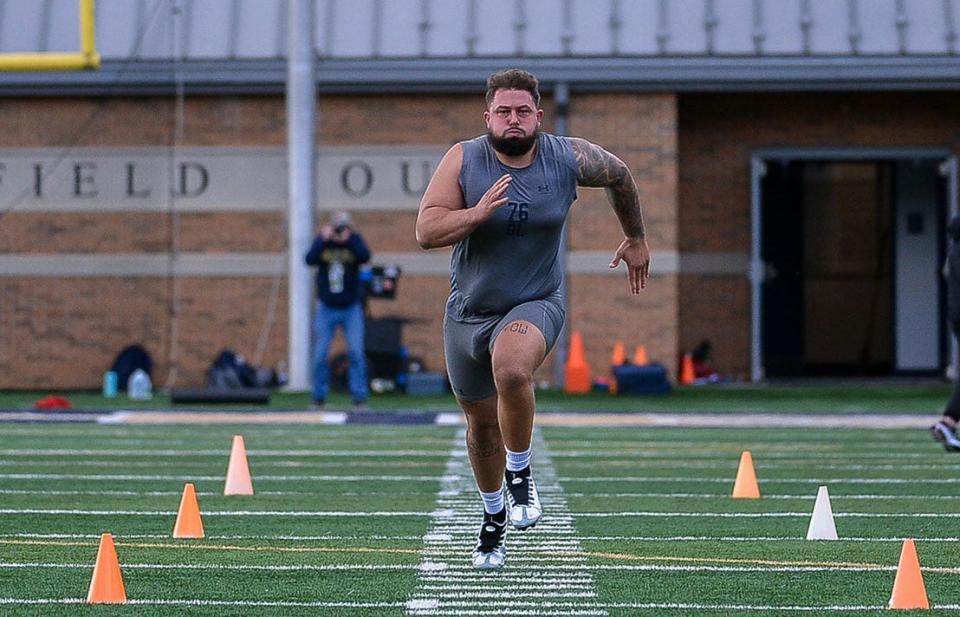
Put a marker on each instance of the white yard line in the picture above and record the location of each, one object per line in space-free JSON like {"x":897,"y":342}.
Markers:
{"x":470,"y":534}
{"x":188,"y":602}
{"x":788,"y":497}
{"x":409,"y":478}
{"x":257,"y":537}
{"x":188,"y":453}
{"x":386,"y":461}
{"x":198,"y":566}
{"x":443,"y":514}
{"x":446,"y":556}
{"x":689,"y":479}
{"x":219,"y":478}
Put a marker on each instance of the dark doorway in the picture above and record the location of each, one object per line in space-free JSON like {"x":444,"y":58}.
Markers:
{"x":828,"y":246}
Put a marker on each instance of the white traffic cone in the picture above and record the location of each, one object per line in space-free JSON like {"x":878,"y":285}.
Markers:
{"x":821,"y":523}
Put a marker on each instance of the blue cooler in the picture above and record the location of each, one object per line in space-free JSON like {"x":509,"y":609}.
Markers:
{"x":647,"y":379}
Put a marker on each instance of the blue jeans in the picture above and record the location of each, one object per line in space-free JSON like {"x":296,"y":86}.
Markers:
{"x":325,"y":324}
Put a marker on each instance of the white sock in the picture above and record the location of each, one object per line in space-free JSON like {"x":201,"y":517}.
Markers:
{"x":517,"y":461}
{"x":492,"y":502}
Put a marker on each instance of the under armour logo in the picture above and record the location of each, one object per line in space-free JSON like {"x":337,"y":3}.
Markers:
{"x":543,"y":188}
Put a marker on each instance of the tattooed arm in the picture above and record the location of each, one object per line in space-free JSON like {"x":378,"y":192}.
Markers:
{"x":598,"y":168}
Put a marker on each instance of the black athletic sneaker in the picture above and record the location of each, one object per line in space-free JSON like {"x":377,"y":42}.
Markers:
{"x":945,"y":435}
{"x":491,"y":550}
{"x":524,"y":500}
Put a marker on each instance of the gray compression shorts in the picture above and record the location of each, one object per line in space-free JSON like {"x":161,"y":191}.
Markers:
{"x":468,"y":346}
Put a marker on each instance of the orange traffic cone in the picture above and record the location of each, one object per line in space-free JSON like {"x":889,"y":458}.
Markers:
{"x":908,"y":589}
{"x":745,"y":487}
{"x":577,"y":371}
{"x":619,"y":356}
{"x":686,"y":370}
{"x":106,"y":586}
{"x":189,"y":524}
{"x":640,"y":356}
{"x":238,"y":472}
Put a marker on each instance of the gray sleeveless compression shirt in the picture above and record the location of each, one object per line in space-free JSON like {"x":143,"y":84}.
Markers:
{"x":512,"y":257}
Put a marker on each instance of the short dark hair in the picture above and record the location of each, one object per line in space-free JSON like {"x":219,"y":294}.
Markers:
{"x":513,"y":79}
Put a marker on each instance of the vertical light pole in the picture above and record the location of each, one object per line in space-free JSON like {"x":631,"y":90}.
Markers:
{"x":301,"y":122}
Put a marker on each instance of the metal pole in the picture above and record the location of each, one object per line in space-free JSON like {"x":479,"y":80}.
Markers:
{"x":757,"y":171}
{"x":561,"y":98}
{"x":301,"y":118}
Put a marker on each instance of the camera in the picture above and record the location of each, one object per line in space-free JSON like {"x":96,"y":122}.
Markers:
{"x":339,"y":229}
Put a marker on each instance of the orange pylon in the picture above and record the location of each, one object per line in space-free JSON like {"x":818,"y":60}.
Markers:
{"x":908,"y":589}
{"x":106,"y":586}
{"x":189,"y":524}
{"x":238,"y":471}
{"x":686,"y":370}
{"x":619,"y":356}
{"x":640,"y":356}
{"x":745,"y":486}
{"x":577,"y":371}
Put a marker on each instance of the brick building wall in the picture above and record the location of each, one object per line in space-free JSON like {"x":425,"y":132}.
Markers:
{"x":63,"y":332}
{"x":718,"y":134}
{"x":690,"y":154}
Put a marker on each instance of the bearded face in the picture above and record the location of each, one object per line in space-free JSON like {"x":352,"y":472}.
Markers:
{"x":513,"y":144}
{"x":513,"y":122}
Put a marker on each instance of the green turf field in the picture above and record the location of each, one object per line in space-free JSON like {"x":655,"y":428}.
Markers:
{"x":870,"y":397}
{"x":379,"y":520}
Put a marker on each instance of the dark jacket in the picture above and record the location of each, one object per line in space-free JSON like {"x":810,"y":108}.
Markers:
{"x":338,"y":269}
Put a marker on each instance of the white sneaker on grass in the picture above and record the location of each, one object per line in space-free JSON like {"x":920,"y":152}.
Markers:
{"x":491,"y":550}
{"x":524,"y":500}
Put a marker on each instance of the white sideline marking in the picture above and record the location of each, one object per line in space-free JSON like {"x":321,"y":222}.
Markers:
{"x":846,"y":480}
{"x":260,"y":465}
{"x":563,"y":608}
{"x":653,"y":514}
{"x":387,"y":461}
{"x":455,"y":582}
{"x":140,"y":536}
{"x":805,"y":497}
{"x":187,"y":453}
{"x":657,"y":452}
{"x":193,"y":478}
{"x":254,"y":603}
{"x":732,"y":465}
{"x":199,"y":566}
{"x":529,"y":573}
{"x":469,"y":533}
{"x":392,"y":478}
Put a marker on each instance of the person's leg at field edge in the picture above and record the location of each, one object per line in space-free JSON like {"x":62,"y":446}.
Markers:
{"x":325,"y":322}
{"x":357,"y":374}
{"x":518,"y":350}
{"x":945,"y":431}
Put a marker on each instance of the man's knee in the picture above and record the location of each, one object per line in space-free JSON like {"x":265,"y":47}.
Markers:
{"x":483,"y":437}
{"x":512,"y":378}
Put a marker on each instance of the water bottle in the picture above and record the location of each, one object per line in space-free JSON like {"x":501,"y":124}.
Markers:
{"x":110,"y":384}
{"x":139,"y":387}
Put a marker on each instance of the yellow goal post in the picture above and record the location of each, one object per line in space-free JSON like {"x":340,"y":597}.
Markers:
{"x":86,"y":58}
